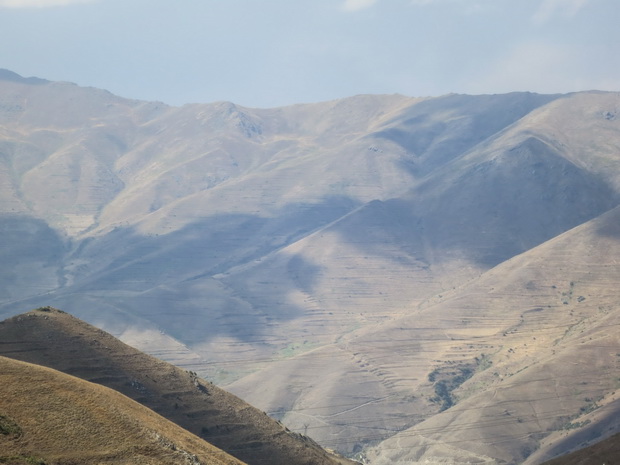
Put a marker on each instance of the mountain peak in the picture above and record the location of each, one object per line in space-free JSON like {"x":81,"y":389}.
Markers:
{"x":8,"y":75}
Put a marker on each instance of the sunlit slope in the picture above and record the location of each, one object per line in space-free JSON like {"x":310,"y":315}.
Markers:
{"x":49,"y":417}
{"x":522,"y":360}
{"x":389,"y":259}
{"x":157,"y":204}
{"x":55,"y":339}
{"x":260,"y":247}
{"x":527,"y":355}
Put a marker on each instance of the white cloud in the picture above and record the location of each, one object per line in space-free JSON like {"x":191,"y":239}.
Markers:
{"x":39,"y":3}
{"x":550,"y":8}
{"x":355,"y":5}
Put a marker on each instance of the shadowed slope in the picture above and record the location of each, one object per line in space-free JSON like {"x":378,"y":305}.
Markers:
{"x":49,"y":417}
{"x":604,"y":452}
{"x":515,"y":191}
{"x":51,"y":338}
{"x":272,"y":245}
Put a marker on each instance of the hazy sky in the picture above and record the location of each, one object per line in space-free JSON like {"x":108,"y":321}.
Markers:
{"x":267,"y":53}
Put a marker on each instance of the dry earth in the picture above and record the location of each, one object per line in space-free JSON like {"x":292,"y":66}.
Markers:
{"x":57,"y":340}
{"x":402,"y":279}
{"x":606,"y":452}
{"x":50,"y":418}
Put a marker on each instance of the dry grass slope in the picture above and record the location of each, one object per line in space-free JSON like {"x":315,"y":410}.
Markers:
{"x":445,"y":264}
{"x":605,"y":452}
{"x":55,"y":339}
{"x":48,"y":417}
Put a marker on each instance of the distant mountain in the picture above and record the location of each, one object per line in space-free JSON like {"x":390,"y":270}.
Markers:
{"x":402,"y":279}
{"x":57,"y":340}
{"x":7,"y":75}
{"x":546,"y":324}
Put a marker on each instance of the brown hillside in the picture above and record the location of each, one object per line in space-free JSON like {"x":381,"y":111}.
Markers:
{"x":481,"y":248}
{"x":546,"y":322}
{"x":48,"y":417}
{"x":57,"y":340}
{"x":402,"y":279}
{"x":605,"y":452}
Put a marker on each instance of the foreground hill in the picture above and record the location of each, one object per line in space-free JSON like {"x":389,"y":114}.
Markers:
{"x":57,"y":340}
{"x":369,"y":270}
{"x":606,"y":451}
{"x":48,"y":417}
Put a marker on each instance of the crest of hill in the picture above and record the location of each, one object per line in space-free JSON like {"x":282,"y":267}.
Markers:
{"x":7,"y":75}
{"x":57,"y":340}
{"x":50,"y":417}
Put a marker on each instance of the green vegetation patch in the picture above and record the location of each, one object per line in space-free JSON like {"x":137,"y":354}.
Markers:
{"x":575,"y":425}
{"x":448,"y":378}
{"x":590,"y":406}
{"x":9,"y":428}
{"x":47,"y":308}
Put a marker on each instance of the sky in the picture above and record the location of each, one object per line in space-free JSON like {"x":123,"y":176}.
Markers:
{"x":270,"y":53}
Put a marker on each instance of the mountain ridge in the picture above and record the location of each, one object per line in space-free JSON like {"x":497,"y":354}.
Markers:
{"x":258,"y":247}
{"x":8,"y":75}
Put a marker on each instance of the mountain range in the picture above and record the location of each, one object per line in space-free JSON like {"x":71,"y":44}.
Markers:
{"x":402,"y":279}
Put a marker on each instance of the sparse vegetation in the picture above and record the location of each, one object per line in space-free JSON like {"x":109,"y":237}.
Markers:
{"x":426,"y":276}
{"x":591,"y":405}
{"x":578,"y":424}
{"x":483,"y":362}
{"x":83,"y":417}
{"x":77,"y":422}
{"x":294,"y":349}
{"x":448,"y":378}
{"x":444,"y":387}
{"x":21,"y":460}
{"x":8,"y":427}
{"x":48,"y":308}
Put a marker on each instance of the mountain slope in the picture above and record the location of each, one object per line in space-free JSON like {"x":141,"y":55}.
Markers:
{"x":159,"y":203}
{"x":603,"y":452}
{"x":538,"y":336}
{"x":513,"y":193}
{"x":364,"y":239}
{"x":50,"y":417}
{"x":57,"y":340}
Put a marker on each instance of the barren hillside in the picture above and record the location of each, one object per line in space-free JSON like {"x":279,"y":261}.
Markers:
{"x":57,"y":340}
{"x":606,"y":451}
{"x":48,"y":417}
{"x":407,"y":250}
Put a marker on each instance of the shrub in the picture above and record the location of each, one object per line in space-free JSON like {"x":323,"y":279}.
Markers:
{"x":8,"y":427}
